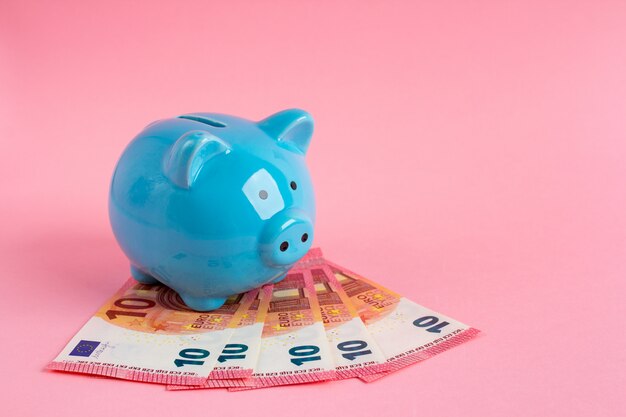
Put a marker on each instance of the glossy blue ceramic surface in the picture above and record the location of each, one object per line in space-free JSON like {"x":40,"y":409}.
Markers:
{"x":213,"y":205}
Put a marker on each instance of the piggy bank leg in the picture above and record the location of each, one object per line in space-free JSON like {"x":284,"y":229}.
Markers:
{"x":141,"y":276}
{"x":202,"y":303}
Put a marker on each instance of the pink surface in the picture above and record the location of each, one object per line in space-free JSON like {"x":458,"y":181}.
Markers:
{"x":469,"y":155}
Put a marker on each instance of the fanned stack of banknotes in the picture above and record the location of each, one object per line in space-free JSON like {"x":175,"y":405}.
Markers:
{"x":321,"y":323}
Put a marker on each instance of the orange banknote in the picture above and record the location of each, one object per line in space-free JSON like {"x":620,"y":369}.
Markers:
{"x":146,"y":333}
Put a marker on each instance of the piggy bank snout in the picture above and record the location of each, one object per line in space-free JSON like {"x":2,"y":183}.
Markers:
{"x":286,"y":238}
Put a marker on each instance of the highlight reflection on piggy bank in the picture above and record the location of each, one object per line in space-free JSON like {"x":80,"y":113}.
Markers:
{"x":213,"y":205}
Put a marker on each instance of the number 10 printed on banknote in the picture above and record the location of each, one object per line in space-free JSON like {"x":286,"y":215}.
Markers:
{"x":322,"y":322}
{"x":406,"y":332}
{"x":146,"y":333}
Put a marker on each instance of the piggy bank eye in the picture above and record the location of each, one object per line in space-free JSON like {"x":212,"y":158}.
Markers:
{"x":263,"y":195}
{"x":293,"y":185}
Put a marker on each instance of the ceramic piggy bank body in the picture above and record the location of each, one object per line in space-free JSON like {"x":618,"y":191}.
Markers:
{"x":213,"y":205}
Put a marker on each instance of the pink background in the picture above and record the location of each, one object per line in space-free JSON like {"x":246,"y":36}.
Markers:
{"x":470,"y":155}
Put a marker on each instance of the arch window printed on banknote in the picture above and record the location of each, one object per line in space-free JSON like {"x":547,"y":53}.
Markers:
{"x":323,"y":322}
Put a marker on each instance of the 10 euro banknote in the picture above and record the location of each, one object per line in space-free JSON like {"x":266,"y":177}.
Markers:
{"x":322,"y":322}
{"x":146,"y":333}
{"x":406,"y":332}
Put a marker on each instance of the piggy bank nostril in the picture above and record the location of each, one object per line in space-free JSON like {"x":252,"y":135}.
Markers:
{"x":284,"y":246}
{"x":304,"y":237}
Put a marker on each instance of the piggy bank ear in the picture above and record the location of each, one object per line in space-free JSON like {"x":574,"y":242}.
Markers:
{"x":189,"y":154}
{"x":292,"y":129}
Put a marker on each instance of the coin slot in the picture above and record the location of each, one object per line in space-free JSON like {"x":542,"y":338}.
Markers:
{"x":205,"y":120}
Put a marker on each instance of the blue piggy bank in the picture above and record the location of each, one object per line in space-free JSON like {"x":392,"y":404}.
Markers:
{"x":214,"y":205}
